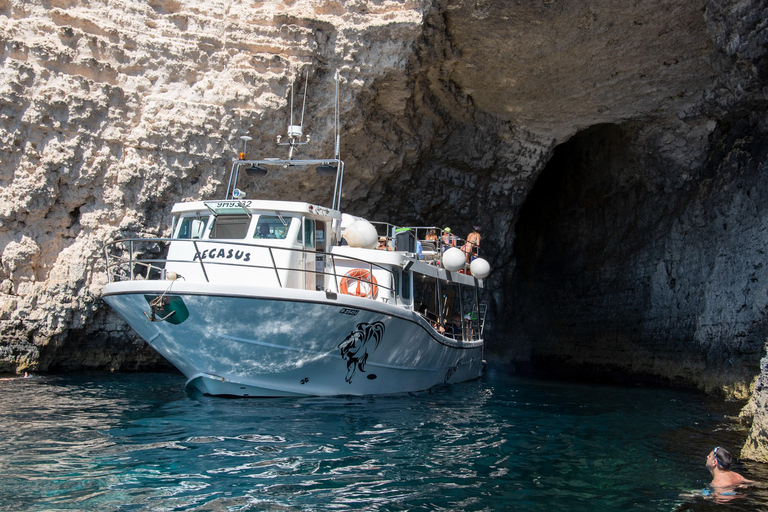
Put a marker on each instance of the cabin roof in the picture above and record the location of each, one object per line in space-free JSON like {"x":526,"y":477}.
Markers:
{"x":232,"y":206}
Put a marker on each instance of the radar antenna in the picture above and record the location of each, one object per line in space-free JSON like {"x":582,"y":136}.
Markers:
{"x":295,"y":131}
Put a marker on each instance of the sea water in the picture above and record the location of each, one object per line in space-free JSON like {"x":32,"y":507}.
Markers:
{"x":125,"y":442}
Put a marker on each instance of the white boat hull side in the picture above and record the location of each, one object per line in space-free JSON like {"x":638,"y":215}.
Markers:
{"x":294,"y":342}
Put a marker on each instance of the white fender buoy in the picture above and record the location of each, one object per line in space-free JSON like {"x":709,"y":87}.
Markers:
{"x":454,"y":259}
{"x":480,"y":268}
{"x":347,"y":219}
{"x":361,"y":233}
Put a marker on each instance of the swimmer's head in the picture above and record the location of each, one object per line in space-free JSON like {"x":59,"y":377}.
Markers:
{"x":721,"y":457}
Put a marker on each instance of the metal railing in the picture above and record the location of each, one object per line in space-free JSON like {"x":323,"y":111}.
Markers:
{"x":146,"y":259}
{"x":150,"y":262}
{"x":444,"y":240}
{"x":469,"y":327}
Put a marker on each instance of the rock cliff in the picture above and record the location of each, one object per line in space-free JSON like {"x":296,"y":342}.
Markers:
{"x":613,"y":154}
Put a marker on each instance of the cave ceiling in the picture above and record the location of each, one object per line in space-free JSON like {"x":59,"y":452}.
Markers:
{"x":555,"y":67}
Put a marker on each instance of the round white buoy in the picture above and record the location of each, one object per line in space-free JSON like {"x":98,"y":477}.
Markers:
{"x":454,"y":259}
{"x":361,"y":233}
{"x":480,"y":268}
{"x":347,"y":219}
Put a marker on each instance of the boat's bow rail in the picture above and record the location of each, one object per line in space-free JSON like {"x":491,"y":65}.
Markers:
{"x":234,"y":262}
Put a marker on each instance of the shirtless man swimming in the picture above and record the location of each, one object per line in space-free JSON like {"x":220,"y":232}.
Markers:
{"x":719,"y":463}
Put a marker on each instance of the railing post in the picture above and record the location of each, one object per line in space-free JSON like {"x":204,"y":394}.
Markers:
{"x":200,"y":259}
{"x":106,"y":259}
{"x":461,"y":309}
{"x":439,"y":298}
{"x":274,"y":265}
{"x":335,"y":273}
{"x":477,"y":307}
{"x":130,"y":258}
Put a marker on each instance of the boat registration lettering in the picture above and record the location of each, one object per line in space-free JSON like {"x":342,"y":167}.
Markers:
{"x":347,"y":311}
{"x":233,"y":204}
{"x":220,"y":253}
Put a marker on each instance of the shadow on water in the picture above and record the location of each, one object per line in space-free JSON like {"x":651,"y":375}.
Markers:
{"x":139,"y":442}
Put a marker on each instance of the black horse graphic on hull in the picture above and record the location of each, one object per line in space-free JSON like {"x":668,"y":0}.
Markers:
{"x":361,"y":342}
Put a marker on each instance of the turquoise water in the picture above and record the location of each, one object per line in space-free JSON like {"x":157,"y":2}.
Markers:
{"x":139,"y":442}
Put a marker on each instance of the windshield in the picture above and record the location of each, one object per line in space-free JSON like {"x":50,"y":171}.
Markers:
{"x":192,"y":227}
{"x":272,"y":227}
{"x":232,"y":227}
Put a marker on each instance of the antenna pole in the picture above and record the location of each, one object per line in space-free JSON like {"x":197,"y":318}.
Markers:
{"x":304,"y":106}
{"x":292,"y":85}
{"x":336,"y":119}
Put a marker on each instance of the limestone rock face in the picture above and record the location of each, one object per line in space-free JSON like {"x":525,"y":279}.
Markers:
{"x":112,"y":111}
{"x":614,"y":155}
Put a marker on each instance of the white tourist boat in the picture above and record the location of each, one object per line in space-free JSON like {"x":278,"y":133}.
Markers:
{"x":264,"y":298}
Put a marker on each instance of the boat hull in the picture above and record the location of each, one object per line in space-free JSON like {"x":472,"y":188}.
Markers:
{"x":242,"y":341}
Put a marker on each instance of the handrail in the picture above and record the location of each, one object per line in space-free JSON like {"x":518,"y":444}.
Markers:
{"x":158,"y":264}
{"x":440,"y":245}
{"x":115,"y":264}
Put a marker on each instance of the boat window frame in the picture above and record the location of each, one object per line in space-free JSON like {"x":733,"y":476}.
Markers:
{"x":404,"y":285}
{"x":429,"y":298}
{"x":223,"y":218}
{"x":272,"y":219}
{"x":199,"y":216}
{"x":308,"y":232}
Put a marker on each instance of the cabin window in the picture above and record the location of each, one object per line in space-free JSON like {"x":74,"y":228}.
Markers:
{"x":273,"y":227}
{"x":320,"y":236}
{"x":405,"y":287}
{"x":192,"y":227}
{"x":230,"y":227}
{"x":309,"y":233}
{"x":425,"y":296}
{"x":450,"y":304}
{"x":450,"y":301}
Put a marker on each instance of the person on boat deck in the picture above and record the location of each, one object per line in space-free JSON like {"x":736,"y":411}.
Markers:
{"x":473,"y":240}
{"x":264,"y":231}
{"x":383,"y":244}
{"x":449,"y":239}
{"x":467,"y":250}
{"x":438,"y":327}
{"x":454,"y":324}
{"x":431,"y":236}
{"x":719,"y":463}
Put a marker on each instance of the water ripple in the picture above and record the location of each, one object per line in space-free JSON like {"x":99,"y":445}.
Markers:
{"x":137,"y":442}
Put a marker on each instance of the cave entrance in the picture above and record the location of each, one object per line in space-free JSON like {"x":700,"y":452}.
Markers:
{"x":573,"y":242}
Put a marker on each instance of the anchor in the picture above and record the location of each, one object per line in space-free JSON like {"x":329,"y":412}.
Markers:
{"x":158,"y":304}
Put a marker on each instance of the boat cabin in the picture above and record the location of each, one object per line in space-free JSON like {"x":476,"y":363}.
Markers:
{"x":272,"y":243}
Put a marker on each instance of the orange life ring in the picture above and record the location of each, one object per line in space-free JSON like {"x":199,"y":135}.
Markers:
{"x":361,"y":280}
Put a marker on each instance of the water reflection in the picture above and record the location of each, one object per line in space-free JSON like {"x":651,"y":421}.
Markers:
{"x":138,"y":442}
